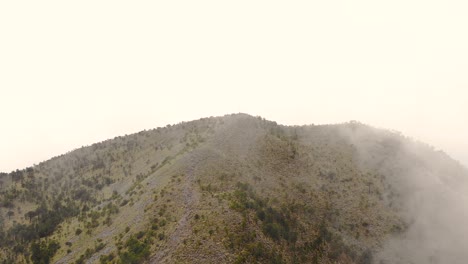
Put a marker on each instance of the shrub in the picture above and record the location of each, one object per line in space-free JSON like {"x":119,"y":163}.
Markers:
{"x":42,"y":252}
{"x":137,"y":251}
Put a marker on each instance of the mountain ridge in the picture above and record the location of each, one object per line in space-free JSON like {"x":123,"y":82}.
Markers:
{"x":231,"y":189}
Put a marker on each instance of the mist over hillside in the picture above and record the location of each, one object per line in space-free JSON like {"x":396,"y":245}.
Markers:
{"x":239,"y":189}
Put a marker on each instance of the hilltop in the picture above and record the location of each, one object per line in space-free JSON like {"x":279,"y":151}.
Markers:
{"x":239,"y":189}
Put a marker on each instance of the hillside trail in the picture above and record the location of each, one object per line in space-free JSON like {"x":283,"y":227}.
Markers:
{"x":183,"y":229}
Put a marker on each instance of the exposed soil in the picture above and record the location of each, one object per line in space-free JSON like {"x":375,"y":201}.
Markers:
{"x":183,"y":228}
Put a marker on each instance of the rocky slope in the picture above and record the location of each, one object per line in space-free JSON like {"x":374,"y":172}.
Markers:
{"x":239,"y":189}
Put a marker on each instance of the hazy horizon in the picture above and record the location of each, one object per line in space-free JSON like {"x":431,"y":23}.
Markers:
{"x":74,"y":74}
{"x":75,"y":145}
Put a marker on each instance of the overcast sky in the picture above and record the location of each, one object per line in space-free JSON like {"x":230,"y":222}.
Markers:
{"x":73,"y":73}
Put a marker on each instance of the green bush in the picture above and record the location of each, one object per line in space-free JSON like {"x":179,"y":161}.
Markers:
{"x":42,"y":252}
{"x":137,"y":251}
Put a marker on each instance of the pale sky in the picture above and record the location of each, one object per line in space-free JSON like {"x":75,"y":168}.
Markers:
{"x":73,"y":73}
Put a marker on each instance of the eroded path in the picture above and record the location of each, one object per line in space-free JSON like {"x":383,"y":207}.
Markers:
{"x":183,"y":228}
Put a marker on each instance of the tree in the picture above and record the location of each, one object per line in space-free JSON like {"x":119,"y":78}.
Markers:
{"x":30,"y":215}
{"x":42,"y":252}
{"x":30,"y":172}
{"x":16,"y":176}
{"x":10,"y":214}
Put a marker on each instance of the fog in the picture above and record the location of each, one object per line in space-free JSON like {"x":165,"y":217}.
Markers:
{"x":72,"y":74}
{"x":76,"y":73}
{"x":428,"y":189}
{"x":435,"y":206}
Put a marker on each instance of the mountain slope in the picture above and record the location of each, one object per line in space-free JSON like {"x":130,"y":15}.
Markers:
{"x":237,"y":189}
